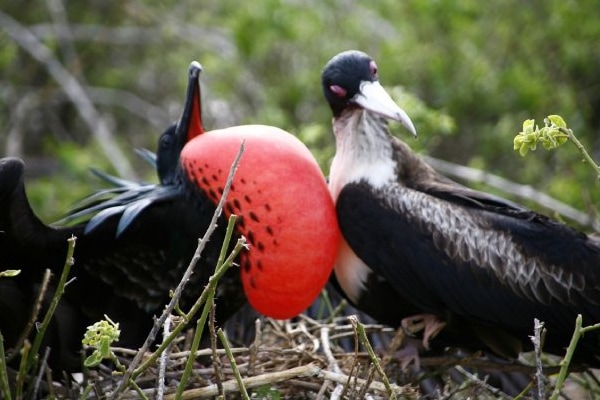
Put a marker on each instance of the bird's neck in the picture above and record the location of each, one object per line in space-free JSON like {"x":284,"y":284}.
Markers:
{"x":364,"y":151}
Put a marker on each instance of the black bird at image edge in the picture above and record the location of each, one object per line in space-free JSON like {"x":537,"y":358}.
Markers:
{"x":131,"y":250}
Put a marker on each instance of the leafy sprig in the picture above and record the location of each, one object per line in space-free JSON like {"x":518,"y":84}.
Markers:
{"x":100,"y":336}
{"x":553,"y":134}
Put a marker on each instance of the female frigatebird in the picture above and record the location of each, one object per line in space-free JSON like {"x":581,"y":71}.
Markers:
{"x":470,"y":265}
{"x":136,"y":245}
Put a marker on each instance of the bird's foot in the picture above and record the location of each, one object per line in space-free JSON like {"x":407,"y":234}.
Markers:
{"x":428,"y":323}
{"x":410,"y":354}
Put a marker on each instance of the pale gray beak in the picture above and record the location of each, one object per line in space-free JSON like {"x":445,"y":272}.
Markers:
{"x":373,"y":97}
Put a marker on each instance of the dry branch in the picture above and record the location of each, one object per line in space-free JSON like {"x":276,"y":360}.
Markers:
{"x":524,"y":192}
{"x":70,"y":85}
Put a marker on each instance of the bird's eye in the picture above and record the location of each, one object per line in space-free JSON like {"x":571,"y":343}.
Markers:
{"x":373,"y":68}
{"x":166,"y":140}
{"x":338,"y":91}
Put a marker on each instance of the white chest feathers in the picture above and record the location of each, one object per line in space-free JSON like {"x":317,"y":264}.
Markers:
{"x":351,"y":272}
{"x":363,"y":152}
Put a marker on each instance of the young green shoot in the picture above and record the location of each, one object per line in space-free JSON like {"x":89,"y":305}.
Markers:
{"x":30,"y":357}
{"x":234,"y":367}
{"x":222,"y":266}
{"x":362,"y":335}
{"x":100,"y":336}
{"x":566,"y":361}
{"x":4,"y":387}
{"x":553,"y":134}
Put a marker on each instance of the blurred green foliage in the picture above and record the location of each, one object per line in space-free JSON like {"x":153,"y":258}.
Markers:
{"x":467,"y":72}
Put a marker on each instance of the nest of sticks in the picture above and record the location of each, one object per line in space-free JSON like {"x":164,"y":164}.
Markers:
{"x":334,"y":358}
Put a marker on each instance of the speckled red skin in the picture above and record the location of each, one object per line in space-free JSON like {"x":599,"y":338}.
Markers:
{"x":288,"y":215}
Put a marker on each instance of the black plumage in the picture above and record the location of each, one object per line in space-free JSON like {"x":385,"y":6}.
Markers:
{"x":483,"y":266}
{"x":132,"y":250}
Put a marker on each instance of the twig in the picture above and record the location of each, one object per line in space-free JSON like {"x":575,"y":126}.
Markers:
{"x":72,"y":88}
{"x":130,"y":102}
{"x":185,"y":354}
{"x":212,"y":283}
{"x":5,"y":388}
{"x":179,"y":289}
{"x":135,"y":35}
{"x":524,"y":392}
{"x":21,"y":374}
{"x":211,"y":303}
{"x":538,"y":339}
{"x":370,"y":375}
{"x":221,"y":268}
{"x":325,"y":304}
{"x":354,"y":362}
{"x":252,"y":382}
{"x":582,"y":150}
{"x":377,"y":386}
{"x":330,"y":359}
{"x":51,"y":390}
{"x":60,"y":289}
{"x":525,"y":192}
{"x":475,"y":380}
{"x":19,"y":113}
{"x":335,"y":394}
{"x":121,"y":369}
{"x":163,"y":361}
{"x":61,"y":24}
{"x":234,"y":366}
{"x":327,"y":349}
{"x":255,"y":346}
{"x":216,"y":360}
{"x":448,"y":361}
{"x":187,"y":371}
{"x":564,"y":369}
{"x":395,"y":344}
{"x":360,"y":328}
{"x":38,"y":379}
{"x":34,"y":314}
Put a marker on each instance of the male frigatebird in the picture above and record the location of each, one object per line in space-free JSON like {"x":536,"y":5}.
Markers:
{"x":418,"y":247}
{"x":135,"y":246}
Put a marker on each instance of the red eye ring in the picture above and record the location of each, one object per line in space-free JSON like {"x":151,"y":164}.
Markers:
{"x":373,"y":68}
{"x":338,"y":91}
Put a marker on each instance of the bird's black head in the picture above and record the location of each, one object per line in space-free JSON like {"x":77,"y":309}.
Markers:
{"x":343,"y":75}
{"x":172,"y":141}
{"x":351,"y":80}
{"x":130,"y":199}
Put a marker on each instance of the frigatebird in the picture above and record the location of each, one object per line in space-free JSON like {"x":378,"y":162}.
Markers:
{"x":127,"y":258}
{"x":421,"y":250}
{"x":133,"y":248}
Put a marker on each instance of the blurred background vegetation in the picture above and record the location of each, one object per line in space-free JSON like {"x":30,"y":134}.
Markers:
{"x":468,"y":73}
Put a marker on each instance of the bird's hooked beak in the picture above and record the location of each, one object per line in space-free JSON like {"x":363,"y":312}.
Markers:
{"x":190,"y":122}
{"x":373,"y":97}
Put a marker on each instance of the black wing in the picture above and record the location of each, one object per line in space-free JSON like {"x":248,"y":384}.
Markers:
{"x":126,"y":276}
{"x":472,"y":256}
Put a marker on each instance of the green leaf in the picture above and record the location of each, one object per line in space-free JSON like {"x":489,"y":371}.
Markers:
{"x":9,"y":273}
{"x":524,"y":149}
{"x":528,"y":126}
{"x":557,"y":121}
{"x":517,"y":142}
{"x":93,"y":360}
